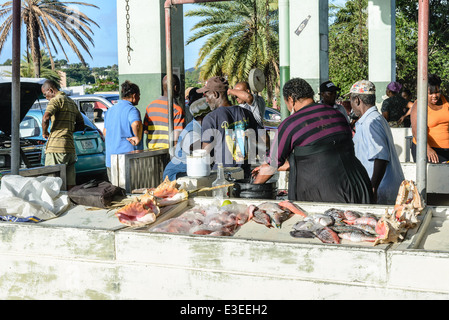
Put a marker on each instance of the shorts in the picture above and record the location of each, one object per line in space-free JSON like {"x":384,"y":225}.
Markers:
{"x":69,"y":159}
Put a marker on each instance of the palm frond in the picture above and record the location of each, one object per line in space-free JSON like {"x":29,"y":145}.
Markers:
{"x":52,"y":24}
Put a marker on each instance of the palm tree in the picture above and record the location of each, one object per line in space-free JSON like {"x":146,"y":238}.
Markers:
{"x":241,"y":35}
{"x":49,"y":23}
{"x":27,"y":67}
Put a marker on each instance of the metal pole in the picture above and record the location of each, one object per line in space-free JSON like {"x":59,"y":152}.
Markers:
{"x":284,"y":50}
{"x":15,"y":89}
{"x":169,"y":76}
{"x":423,"y":46}
{"x":168,"y":49}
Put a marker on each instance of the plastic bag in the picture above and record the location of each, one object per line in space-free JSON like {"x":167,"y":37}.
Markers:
{"x":31,"y":199}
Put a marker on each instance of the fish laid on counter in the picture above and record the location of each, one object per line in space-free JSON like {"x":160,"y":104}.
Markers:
{"x":327,"y":235}
{"x":337,"y":214}
{"x":352,"y":215}
{"x":357,"y":236}
{"x":310,"y":228}
{"x":321,"y":219}
{"x":302,"y":234}
{"x":363,"y":221}
{"x":208,"y":220}
{"x":259,"y":216}
{"x":288,"y":205}
{"x":278,"y":215}
{"x":335,"y":224}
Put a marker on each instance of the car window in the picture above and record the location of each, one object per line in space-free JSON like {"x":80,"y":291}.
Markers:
{"x":87,"y":107}
{"x":272,"y":115}
{"x":100,"y":105}
{"x":113,"y":99}
{"x":38,"y":105}
{"x":29,"y":127}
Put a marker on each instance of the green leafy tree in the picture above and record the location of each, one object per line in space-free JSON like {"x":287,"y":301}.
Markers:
{"x":27,"y":67}
{"x":348,"y":44}
{"x":407,"y":42}
{"x":78,"y":74}
{"x":192,"y":78}
{"x":49,"y":23}
{"x":241,"y":35}
{"x":104,"y":85}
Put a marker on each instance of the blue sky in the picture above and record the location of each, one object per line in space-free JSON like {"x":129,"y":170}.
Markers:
{"x":105,"y":38}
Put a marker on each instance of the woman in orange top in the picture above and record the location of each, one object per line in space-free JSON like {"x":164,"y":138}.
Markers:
{"x":437,"y":123}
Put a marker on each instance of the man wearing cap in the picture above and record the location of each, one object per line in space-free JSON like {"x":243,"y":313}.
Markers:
{"x":395,"y":106}
{"x":373,"y":143}
{"x":225,"y":131}
{"x":189,"y":139}
{"x":247,"y":100}
{"x":328,"y":93}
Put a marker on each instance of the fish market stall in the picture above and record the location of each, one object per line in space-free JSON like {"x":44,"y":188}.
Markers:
{"x":88,"y":253}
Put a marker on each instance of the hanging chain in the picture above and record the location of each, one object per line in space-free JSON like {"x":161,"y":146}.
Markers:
{"x":128,"y":33}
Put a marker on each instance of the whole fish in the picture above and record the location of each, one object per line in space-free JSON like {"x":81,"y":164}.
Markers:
{"x":270,"y":207}
{"x":352,"y":215}
{"x":337,"y":214}
{"x":367,"y":228}
{"x":288,"y":205}
{"x":327,"y":235}
{"x":306,"y":225}
{"x":302,"y":234}
{"x":342,"y":228}
{"x":279,"y":217}
{"x":356,"y":236}
{"x":322,"y":219}
{"x":277,"y":214}
{"x":259,"y":216}
{"x":363,"y":220}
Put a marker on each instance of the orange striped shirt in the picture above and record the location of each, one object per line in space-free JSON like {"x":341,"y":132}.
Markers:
{"x":156,"y":122}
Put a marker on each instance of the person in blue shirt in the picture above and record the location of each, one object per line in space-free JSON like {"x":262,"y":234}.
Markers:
{"x":189,"y":137}
{"x":374,"y":145}
{"x":123,"y":125}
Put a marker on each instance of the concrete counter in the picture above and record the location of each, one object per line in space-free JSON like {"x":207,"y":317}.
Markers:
{"x":87,"y":254}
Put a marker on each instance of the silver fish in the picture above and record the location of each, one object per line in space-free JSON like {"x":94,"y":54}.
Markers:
{"x":277,"y":214}
{"x":337,"y":214}
{"x":357,"y":237}
{"x":302,"y":234}
{"x":259,"y":216}
{"x":367,"y":228}
{"x":305,"y":225}
{"x":321,"y":219}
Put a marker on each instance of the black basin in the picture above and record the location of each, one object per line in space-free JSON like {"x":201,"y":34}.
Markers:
{"x":245,"y":189}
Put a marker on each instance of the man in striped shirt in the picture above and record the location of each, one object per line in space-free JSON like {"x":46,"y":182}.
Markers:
{"x":65,"y":119}
{"x":156,"y":118}
{"x":315,"y":143}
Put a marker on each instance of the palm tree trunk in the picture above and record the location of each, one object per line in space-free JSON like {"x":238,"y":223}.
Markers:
{"x":35,"y":47}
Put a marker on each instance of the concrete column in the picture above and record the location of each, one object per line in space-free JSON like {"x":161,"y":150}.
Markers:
{"x":147,"y":63}
{"x":382,"y":44}
{"x":309,"y":29}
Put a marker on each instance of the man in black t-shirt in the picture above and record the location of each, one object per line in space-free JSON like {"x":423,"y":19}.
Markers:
{"x":229,"y":132}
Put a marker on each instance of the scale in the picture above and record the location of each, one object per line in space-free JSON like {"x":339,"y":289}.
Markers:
{"x":256,"y":80}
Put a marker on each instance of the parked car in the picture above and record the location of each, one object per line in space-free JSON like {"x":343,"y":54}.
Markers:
{"x":31,"y":150}
{"x":92,"y":105}
{"x":272,"y":118}
{"x":89,"y":143}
